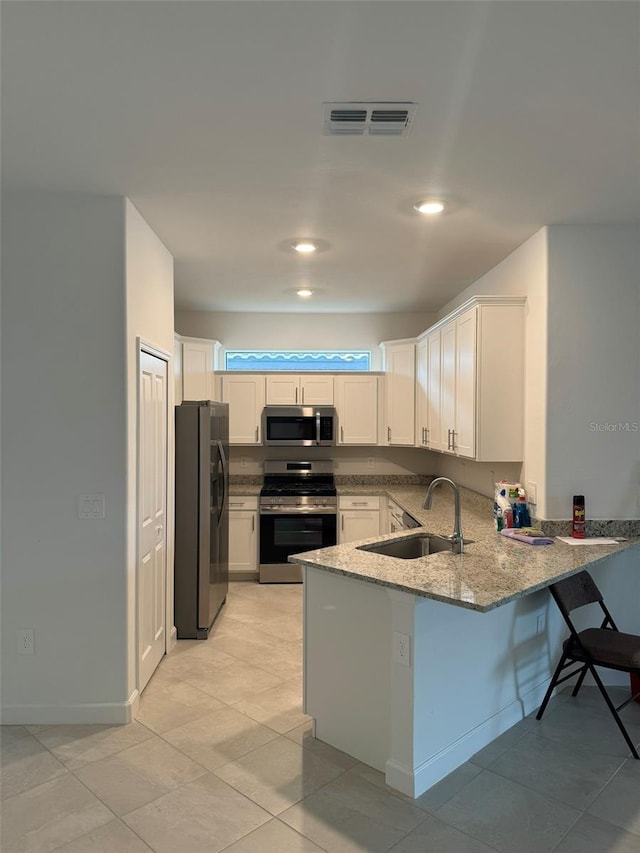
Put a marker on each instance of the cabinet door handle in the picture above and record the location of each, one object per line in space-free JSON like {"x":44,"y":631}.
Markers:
{"x":359,"y":503}
{"x":257,"y":434}
{"x":342,"y":435}
{"x":253,"y":524}
{"x":296,"y":396}
{"x":303,"y":396}
{"x":388,"y":433}
{"x":342,"y":522}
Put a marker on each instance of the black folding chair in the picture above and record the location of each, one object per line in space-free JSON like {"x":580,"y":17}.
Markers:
{"x":605,"y":646}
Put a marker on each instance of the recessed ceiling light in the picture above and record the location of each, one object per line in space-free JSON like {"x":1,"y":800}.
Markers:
{"x":429,"y":207}
{"x":305,"y":247}
{"x":304,"y":292}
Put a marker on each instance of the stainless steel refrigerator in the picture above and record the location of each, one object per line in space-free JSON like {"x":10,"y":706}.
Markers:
{"x":201,"y":567}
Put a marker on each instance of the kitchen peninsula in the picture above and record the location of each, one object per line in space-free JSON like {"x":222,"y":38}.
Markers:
{"x":412,"y":666}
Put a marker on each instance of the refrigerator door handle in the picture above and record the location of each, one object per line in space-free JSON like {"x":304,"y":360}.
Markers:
{"x":223,"y":462}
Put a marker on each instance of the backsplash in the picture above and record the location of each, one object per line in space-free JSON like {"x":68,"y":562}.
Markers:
{"x":245,"y":479}
{"x":383,"y":480}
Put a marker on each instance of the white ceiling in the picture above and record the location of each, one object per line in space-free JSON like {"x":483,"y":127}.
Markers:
{"x":208,"y":115}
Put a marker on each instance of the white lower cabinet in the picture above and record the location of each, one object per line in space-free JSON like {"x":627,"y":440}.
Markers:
{"x":358,"y":518}
{"x":243,"y":538}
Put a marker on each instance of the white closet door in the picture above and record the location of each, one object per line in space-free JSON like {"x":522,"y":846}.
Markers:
{"x":152,"y":502}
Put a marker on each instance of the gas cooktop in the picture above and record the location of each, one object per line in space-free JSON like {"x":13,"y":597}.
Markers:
{"x":307,"y":482}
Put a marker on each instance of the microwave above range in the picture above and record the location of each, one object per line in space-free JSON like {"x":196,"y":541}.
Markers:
{"x":299,"y":426}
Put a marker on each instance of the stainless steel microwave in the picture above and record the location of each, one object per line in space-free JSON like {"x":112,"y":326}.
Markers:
{"x":299,"y":426}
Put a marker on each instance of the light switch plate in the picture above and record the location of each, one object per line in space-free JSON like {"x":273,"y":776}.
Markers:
{"x":91,"y":506}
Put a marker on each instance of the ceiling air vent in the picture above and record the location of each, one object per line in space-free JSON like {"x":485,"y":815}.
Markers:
{"x":357,"y":118}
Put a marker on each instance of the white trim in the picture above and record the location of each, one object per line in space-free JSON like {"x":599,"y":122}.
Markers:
{"x":471,"y":303}
{"x":117,"y":713}
{"x":173,"y":638}
{"x":160,"y":353}
{"x":415,"y":781}
{"x":244,"y":575}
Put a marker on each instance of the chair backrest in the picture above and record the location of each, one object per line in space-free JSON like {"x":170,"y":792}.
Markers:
{"x":575,"y":591}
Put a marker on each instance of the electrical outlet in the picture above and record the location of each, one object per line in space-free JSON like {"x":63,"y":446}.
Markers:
{"x":25,"y":641}
{"x":371,"y":462}
{"x":541,"y":623}
{"x":243,"y":461}
{"x":532,"y":492}
{"x":91,"y":506}
{"x":401,"y":649}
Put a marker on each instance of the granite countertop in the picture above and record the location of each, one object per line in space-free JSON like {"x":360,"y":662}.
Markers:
{"x":492,"y":571}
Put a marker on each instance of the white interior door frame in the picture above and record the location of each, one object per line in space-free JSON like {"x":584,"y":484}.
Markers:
{"x":145,"y":346}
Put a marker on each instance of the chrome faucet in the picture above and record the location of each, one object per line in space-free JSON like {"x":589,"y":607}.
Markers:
{"x":456,"y":536}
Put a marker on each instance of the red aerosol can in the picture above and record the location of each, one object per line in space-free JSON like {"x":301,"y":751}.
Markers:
{"x":578,"y":523}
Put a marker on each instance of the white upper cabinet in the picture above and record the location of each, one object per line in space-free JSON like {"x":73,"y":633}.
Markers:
{"x":357,"y":408}
{"x":400,"y":382}
{"x":434,"y":364}
{"x":463,"y":440}
{"x":475,"y":381}
{"x":245,"y":395}
{"x":297,"y":390}
{"x":198,"y":360}
{"x":422,"y":394}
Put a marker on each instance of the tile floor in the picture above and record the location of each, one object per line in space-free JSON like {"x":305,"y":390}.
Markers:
{"x":221,"y":758}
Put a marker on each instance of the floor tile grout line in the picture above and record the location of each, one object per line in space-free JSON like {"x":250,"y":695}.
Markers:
{"x":302,"y":835}
{"x":535,"y":790}
{"x":564,"y":835}
{"x":513,"y":782}
{"x":296,"y":803}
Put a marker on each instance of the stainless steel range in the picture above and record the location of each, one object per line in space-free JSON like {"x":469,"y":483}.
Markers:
{"x":298,"y":512}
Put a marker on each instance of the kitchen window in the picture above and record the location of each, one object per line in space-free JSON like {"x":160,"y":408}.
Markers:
{"x":298,"y":361}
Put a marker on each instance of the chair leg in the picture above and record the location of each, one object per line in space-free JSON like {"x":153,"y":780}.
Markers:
{"x":580,"y":680}
{"x":550,"y":688}
{"x":612,"y":708}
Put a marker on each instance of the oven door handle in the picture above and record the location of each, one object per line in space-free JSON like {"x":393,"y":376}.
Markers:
{"x":328,"y":510}
{"x":317,"y":427}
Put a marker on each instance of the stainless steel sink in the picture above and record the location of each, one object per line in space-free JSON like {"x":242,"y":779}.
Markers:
{"x":420,"y":545}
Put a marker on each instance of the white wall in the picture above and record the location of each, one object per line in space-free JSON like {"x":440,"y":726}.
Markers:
{"x":582,"y":368}
{"x":594,"y":370}
{"x":149,"y":293}
{"x":311,"y":331}
{"x":522,"y":273}
{"x":74,"y":299}
{"x":64,"y":414}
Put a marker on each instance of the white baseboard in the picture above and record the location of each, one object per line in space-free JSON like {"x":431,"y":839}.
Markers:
{"x":243,"y":575}
{"x":415,"y":781}
{"x":115,"y":713}
{"x":173,"y":639}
